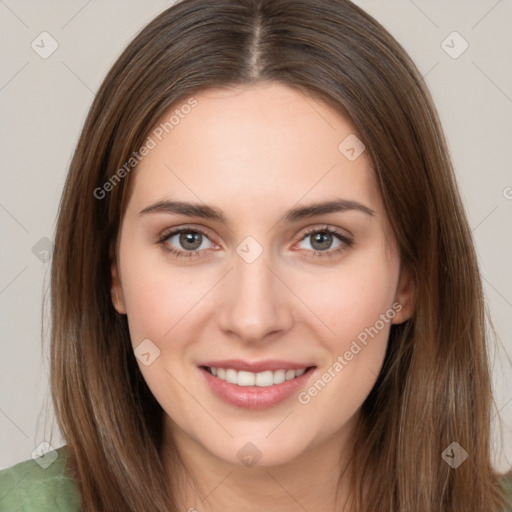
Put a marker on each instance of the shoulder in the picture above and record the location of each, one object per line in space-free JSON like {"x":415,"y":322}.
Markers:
{"x":506,"y":485}
{"x":41,"y":484}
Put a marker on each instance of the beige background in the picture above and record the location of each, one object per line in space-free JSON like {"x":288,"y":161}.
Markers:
{"x":43,"y":104}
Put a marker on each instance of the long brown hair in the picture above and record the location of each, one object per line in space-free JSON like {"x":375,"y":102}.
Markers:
{"x":434,"y":388}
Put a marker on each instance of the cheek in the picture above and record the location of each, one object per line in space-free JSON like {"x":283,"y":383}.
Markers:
{"x":351,"y":298}
{"x":360,"y":313}
{"x":356,"y":303}
{"x":157,"y":296}
{"x":162,"y":306}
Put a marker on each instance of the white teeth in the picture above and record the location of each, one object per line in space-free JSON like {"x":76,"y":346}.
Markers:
{"x":279,"y":376}
{"x":264,"y":379}
{"x":231,"y":376}
{"x":261,"y":379}
{"x":245,"y":378}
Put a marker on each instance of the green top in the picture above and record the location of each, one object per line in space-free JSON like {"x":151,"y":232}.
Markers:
{"x":42,"y":485}
{"x":39,"y":485}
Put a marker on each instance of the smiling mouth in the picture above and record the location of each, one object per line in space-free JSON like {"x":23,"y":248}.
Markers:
{"x":260,"y":379}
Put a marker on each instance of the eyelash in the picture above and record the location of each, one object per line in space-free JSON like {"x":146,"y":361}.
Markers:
{"x":346,"y":242}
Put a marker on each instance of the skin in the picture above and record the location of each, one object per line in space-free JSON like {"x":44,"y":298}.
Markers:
{"x":255,"y":152}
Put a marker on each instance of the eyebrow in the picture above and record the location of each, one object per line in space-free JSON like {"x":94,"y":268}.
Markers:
{"x":295,"y":214}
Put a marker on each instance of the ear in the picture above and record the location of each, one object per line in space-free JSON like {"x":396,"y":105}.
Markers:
{"x":404,"y":297}
{"x":116,"y":288}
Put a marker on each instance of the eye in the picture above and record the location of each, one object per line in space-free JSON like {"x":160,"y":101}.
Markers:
{"x":185,"y":242}
{"x":192,"y":242}
{"x":321,"y":241}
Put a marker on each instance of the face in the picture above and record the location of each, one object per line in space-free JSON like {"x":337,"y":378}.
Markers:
{"x":290,"y":306}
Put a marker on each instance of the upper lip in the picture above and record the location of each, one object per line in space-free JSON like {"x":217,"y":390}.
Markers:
{"x":256,"y":366}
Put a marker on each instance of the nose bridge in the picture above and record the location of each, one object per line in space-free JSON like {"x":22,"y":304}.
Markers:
{"x":255,"y":305}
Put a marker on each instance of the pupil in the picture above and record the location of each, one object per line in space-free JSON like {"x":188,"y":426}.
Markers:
{"x":190,"y":237}
{"x":324,"y":240}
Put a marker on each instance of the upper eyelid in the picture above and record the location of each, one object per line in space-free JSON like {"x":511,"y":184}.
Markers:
{"x":326,"y":227}
{"x":167,"y":233}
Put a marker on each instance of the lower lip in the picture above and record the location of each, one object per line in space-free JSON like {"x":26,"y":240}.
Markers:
{"x":255,"y":397}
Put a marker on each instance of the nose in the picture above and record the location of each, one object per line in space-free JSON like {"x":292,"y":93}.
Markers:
{"x":255,"y":303}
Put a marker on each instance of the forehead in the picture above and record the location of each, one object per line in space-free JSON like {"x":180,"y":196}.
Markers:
{"x":240,"y":144}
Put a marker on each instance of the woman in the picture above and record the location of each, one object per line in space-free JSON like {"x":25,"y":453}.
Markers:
{"x":321,"y":342}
